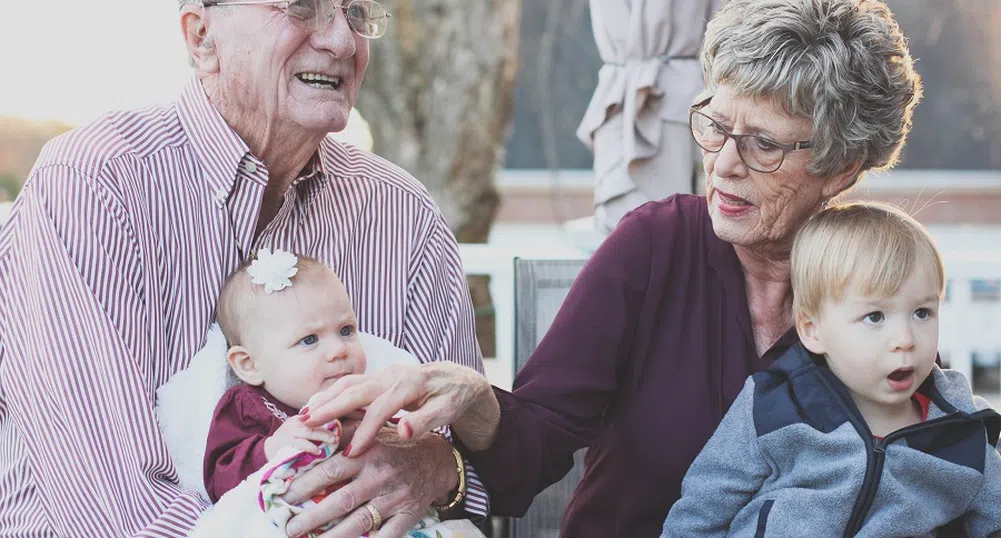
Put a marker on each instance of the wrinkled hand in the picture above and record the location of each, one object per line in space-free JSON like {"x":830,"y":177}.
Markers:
{"x":296,"y":434}
{"x":399,"y":479}
{"x":436,"y":394}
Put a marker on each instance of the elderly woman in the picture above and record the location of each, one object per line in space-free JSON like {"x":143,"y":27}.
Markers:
{"x":690,"y":295}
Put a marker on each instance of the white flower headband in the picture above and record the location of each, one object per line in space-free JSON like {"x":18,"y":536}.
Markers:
{"x":273,"y":271}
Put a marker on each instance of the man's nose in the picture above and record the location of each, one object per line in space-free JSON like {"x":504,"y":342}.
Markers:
{"x":333,"y":32}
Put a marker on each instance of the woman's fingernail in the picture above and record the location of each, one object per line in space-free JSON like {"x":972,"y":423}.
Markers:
{"x":408,"y":432}
{"x":347,"y":451}
{"x":293,"y":529}
{"x":305,"y":410}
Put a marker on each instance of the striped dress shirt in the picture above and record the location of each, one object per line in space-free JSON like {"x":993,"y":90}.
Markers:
{"x":110,"y":267}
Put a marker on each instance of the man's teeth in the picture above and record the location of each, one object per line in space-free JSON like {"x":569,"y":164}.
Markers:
{"x":320,"y":81}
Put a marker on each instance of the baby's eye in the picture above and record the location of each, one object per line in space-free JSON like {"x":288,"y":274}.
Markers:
{"x":347,"y":330}
{"x":923,"y":313}
{"x":309,"y":340}
{"x":874,"y":317}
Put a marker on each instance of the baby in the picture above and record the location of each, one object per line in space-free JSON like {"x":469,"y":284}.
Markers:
{"x":286,"y":342}
{"x":855,"y":431}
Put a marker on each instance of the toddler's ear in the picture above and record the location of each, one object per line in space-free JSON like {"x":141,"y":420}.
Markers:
{"x":244,"y":366}
{"x":808,"y":334}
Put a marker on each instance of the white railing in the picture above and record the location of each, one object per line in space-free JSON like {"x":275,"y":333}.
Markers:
{"x":968,"y":324}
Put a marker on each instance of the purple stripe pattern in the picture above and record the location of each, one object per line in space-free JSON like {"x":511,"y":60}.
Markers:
{"x":110,"y":266}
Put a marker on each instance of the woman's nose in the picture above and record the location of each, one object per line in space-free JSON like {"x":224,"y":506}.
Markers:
{"x":728,"y":162}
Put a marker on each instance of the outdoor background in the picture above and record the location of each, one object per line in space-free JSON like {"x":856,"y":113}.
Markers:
{"x":76,"y":60}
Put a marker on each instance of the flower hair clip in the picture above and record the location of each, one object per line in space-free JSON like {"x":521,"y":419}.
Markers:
{"x":273,"y":271}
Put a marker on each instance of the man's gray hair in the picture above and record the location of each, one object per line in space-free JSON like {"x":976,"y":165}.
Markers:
{"x":843,"y":64}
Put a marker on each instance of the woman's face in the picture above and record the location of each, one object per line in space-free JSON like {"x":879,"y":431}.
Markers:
{"x":750,"y":208}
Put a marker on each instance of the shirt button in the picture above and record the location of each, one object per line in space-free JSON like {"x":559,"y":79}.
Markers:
{"x":250,"y":167}
{"x":220,"y":195}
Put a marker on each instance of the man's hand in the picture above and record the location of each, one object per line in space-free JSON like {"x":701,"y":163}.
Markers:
{"x":296,"y":434}
{"x":399,"y":479}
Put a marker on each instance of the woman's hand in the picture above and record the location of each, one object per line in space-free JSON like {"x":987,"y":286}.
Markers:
{"x":400,"y":480}
{"x":436,"y":394}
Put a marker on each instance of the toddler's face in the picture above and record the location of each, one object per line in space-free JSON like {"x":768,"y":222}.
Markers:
{"x":882,"y":348}
{"x":304,"y":338}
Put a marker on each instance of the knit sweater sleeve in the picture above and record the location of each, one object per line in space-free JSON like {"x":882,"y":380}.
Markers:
{"x":725,"y":476}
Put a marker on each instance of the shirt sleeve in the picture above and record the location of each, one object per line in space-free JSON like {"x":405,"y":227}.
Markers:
{"x":440,"y":325}
{"x":725,"y":476}
{"x":235,"y":448}
{"x":76,"y":399}
{"x":560,"y":396}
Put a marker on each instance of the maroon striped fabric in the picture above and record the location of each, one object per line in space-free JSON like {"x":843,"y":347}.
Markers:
{"x":110,"y":266}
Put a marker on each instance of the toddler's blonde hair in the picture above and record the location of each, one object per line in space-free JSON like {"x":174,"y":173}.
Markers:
{"x":871,"y":247}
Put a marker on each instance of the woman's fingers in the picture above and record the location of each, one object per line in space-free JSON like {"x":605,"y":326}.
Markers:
{"x":331,"y":392}
{"x":354,"y":397}
{"x":380,"y":411}
{"x":433,"y":414}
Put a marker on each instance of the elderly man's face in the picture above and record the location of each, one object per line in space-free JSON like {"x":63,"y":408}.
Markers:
{"x":272,"y":69}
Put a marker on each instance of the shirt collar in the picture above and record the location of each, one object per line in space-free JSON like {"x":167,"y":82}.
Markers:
{"x":215,"y":144}
{"x":220,"y":150}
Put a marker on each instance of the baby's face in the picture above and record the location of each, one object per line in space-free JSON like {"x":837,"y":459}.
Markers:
{"x":304,"y":338}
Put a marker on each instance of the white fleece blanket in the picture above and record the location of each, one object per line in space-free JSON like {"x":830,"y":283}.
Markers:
{"x":184,"y":410}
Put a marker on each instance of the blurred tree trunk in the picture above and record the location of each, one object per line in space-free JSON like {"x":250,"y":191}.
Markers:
{"x":438,"y":97}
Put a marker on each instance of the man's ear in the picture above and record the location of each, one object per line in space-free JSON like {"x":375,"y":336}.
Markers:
{"x":201,"y":49}
{"x":244,"y":366}
{"x":808,"y":334}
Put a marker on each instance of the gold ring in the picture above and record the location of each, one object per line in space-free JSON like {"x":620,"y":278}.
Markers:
{"x":376,"y":517}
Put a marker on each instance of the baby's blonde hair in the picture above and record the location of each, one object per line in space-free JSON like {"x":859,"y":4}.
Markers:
{"x":238,"y":292}
{"x":870,"y":246}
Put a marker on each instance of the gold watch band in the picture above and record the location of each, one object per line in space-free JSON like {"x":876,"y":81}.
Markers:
{"x":460,"y":494}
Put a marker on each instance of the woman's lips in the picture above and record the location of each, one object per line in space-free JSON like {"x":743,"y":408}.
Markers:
{"x":730,"y":204}
{"x":731,"y":198}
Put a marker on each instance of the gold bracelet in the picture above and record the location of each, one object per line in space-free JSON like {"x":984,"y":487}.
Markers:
{"x":460,"y":494}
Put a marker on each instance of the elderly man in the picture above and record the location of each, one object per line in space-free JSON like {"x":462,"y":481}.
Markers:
{"x":116,"y":250}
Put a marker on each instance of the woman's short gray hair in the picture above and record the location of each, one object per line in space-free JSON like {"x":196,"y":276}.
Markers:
{"x":844,"y":64}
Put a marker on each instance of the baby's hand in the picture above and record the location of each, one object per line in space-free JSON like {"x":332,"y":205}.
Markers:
{"x":294,"y":433}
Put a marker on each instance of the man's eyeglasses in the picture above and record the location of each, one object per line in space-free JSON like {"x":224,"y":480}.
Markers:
{"x":758,"y":153}
{"x":367,"y":18}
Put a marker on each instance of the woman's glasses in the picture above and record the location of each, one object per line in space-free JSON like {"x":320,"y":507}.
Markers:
{"x":758,"y":153}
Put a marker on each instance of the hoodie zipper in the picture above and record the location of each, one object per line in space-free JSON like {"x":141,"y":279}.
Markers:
{"x":877,"y":457}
